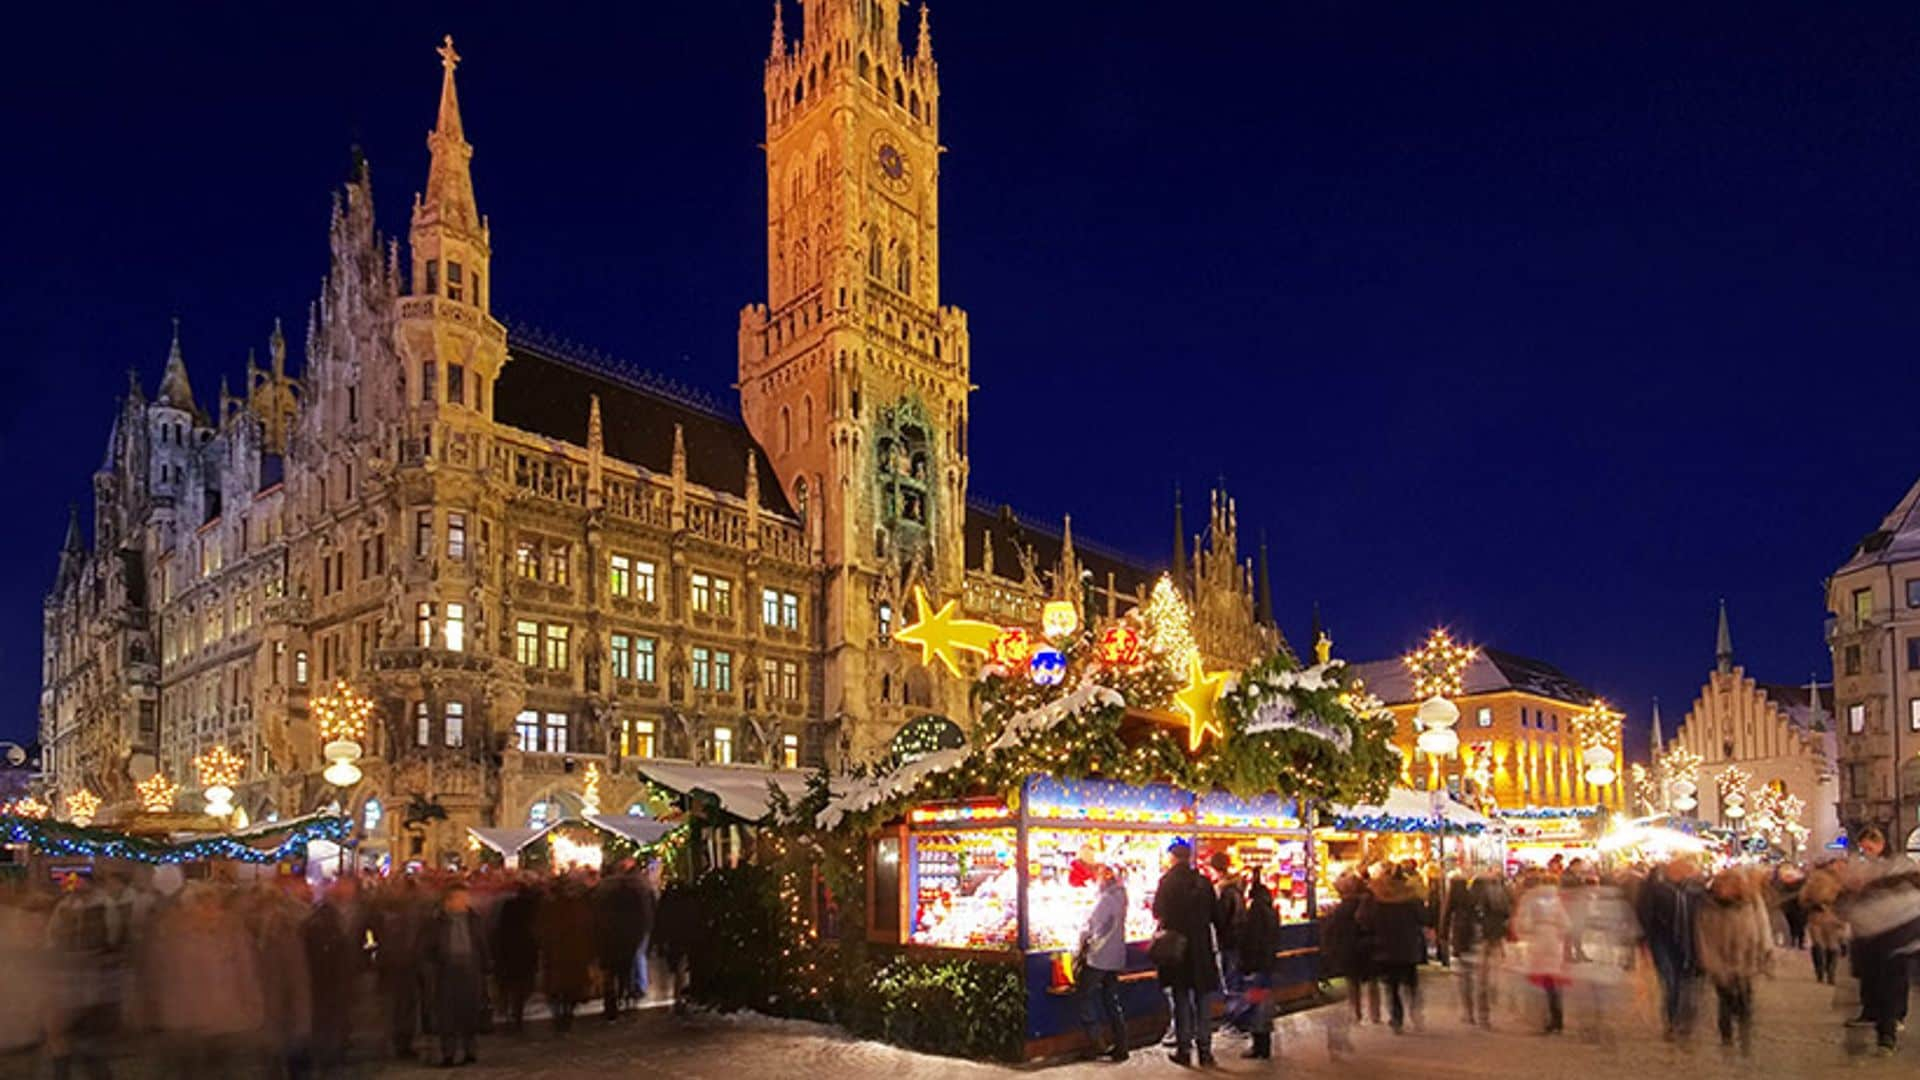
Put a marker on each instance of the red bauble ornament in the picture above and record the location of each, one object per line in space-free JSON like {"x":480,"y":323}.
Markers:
{"x":1120,"y":647}
{"x":1013,"y":648}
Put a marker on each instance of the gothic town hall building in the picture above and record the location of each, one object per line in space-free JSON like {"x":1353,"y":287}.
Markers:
{"x":534,"y":559}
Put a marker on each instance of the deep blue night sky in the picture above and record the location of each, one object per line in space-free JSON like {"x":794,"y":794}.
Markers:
{"x":1551,"y":322}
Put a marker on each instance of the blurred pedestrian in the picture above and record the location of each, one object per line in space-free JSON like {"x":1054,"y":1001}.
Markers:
{"x":454,"y":951}
{"x":1542,"y":924}
{"x":396,"y":916}
{"x":334,"y":933}
{"x":1882,"y":909}
{"x":516,"y":952}
{"x":566,"y":946}
{"x":1735,"y":946}
{"x":619,"y":918}
{"x":1392,"y":915}
{"x":1259,"y":949}
{"x":1669,"y":902}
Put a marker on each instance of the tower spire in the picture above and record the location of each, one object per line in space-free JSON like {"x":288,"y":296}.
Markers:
{"x":1179,"y":544}
{"x":1723,"y":644}
{"x":449,"y":177}
{"x":779,"y":32}
{"x":923,"y":50}
{"x":175,"y":389}
{"x":1658,"y":737}
{"x":1265,"y":610}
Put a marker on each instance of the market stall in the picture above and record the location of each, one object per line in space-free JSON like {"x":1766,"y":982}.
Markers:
{"x":1428,"y":828}
{"x":1536,"y":834}
{"x":1013,"y":879}
{"x":587,"y":842}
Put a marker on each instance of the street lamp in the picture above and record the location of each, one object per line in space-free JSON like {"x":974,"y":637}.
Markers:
{"x":342,"y":715}
{"x":219,"y":770}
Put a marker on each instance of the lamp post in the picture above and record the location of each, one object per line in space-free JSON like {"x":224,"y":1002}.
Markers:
{"x":219,"y":770}
{"x":341,"y":716}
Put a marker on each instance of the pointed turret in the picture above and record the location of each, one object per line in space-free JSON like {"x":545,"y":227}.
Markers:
{"x":175,"y":389}
{"x":72,"y":552}
{"x":1179,"y":544}
{"x":1264,"y":612}
{"x":1723,"y":644}
{"x":595,"y":438}
{"x":1813,"y":703}
{"x":923,"y":50}
{"x":449,"y":177}
{"x":1657,"y":737}
{"x":779,"y":33}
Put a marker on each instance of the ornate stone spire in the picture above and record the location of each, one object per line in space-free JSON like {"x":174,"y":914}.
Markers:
{"x":1723,"y":644}
{"x":1265,"y":610}
{"x":449,"y":177}
{"x":779,"y":33}
{"x":175,"y":389}
{"x":923,"y":51}
{"x":596,"y":444}
{"x":1179,"y":545}
{"x":1658,"y":737}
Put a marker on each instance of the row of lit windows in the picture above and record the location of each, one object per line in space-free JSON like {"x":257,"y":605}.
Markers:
{"x":451,"y":624}
{"x":711,"y":595}
{"x":453,"y":725}
{"x":628,"y":577}
{"x":550,"y":561}
{"x":537,"y":732}
{"x":529,"y":637}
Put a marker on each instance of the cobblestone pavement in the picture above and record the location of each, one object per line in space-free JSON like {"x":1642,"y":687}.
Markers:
{"x":1798,"y":1033}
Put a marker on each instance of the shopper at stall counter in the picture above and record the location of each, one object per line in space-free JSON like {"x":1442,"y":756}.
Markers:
{"x":1103,"y":956}
{"x":1259,"y":945}
{"x":1183,"y":903}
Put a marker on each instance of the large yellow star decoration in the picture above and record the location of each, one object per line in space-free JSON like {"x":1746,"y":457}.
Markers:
{"x":941,"y":634}
{"x":1197,"y":700}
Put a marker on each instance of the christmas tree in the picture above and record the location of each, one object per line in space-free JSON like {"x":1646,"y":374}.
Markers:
{"x":1168,"y":627}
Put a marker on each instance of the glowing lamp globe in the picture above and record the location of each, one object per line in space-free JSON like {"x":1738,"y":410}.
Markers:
{"x":342,"y":773}
{"x":1048,"y":666}
{"x":1439,"y":741}
{"x":1684,"y":803}
{"x":1597,"y":756}
{"x":1684,"y":789}
{"x":1059,"y":618}
{"x":1438,"y":712}
{"x":1601,"y":775}
{"x":219,"y":800}
{"x":1734,"y":810}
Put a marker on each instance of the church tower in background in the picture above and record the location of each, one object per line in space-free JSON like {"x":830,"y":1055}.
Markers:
{"x":853,"y":375}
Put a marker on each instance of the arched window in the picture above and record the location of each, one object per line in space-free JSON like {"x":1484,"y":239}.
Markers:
{"x":899,"y":93}
{"x":786,"y":429}
{"x":873,"y":254}
{"x":863,"y":66}
{"x":806,"y":419}
{"x":813,"y":79}
{"x":880,"y":76}
{"x":370,"y":815}
{"x":799,"y":91}
{"x":913,"y":104}
{"x":903,"y":270}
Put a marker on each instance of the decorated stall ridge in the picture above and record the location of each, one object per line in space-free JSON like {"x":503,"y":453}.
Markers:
{"x":268,"y":843}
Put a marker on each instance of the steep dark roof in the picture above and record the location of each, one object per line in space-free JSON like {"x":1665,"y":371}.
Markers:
{"x":1492,"y":671}
{"x":545,"y":388}
{"x":1011,"y":532}
{"x":1793,"y":701}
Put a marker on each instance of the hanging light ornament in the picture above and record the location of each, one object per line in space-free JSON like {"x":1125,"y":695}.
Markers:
{"x":219,"y":770}
{"x":31,"y":807}
{"x":81,"y":806}
{"x":1435,"y":719}
{"x":1058,"y":618}
{"x":1732,"y":782}
{"x":1682,"y":768}
{"x":156,"y":793}
{"x":1597,"y":731}
{"x":590,"y":791}
{"x":341,"y":715}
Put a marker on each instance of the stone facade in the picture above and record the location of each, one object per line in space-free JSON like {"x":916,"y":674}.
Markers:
{"x":534,"y":558}
{"x":1780,"y":736}
{"x":1873,"y":632}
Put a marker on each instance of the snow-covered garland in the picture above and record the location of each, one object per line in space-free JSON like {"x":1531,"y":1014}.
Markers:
{"x":1036,"y":720}
{"x":1277,"y":701}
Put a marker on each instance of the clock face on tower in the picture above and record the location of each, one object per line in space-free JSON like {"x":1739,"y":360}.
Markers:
{"x":892,"y":165}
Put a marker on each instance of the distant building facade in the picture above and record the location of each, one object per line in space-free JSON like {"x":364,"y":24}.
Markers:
{"x":1516,"y":715}
{"x":1873,"y":632}
{"x":534,"y":558}
{"x":1778,"y":735}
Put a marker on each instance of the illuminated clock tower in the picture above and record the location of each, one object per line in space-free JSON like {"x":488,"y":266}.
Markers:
{"x":853,"y":376}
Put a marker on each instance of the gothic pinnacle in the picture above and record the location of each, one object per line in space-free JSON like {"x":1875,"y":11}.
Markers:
{"x":449,"y":180}
{"x":923,"y":53}
{"x":779,"y":33}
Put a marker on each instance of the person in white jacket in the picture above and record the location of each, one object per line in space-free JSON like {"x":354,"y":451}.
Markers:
{"x":1102,"y":956}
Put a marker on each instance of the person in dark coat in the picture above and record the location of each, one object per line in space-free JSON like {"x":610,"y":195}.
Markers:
{"x":396,"y":918}
{"x":676,"y":928}
{"x":334,"y":934}
{"x":566,"y":944}
{"x":1669,"y":905}
{"x":454,"y":952}
{"x":1259,"y":947}
{"x":1346,"y":951}
{"x":1393,"y":913}
{"x":1184,"y":903}
{"x":619,"y":914}
{"x":516,"y":950}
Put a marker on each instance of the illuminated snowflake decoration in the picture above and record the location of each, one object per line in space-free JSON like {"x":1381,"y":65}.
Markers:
{"x":1439,"y":666}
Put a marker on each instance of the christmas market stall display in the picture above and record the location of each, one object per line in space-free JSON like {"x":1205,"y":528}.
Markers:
{"x":1100,"y":745}
{"x":1535,"y":834}
{"x":725,"y":805}
{"x":1427,"y":828}
{"x":62,"y":847}
{"x":591,"y":842}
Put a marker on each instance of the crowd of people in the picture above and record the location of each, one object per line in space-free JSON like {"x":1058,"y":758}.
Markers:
{"x":1556,"y":941}
{"x":275,"y":977}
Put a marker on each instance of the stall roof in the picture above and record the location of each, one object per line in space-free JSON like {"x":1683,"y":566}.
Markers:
{"x":741,"y":789}
{"x":1406,"y":803}
{"x":642,"y":831}
{"x":509,"y":841}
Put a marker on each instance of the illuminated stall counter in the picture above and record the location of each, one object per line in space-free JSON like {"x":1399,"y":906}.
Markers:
{"x":1012,"y":880}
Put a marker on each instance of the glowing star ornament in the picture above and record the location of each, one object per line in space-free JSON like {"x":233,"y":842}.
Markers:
{"x":1058,"y":619}
{"x":1197,"y":700}
{"x":342,"y":717}
{"x":31,"y":807}
{"x":1438,"y":667}
{"x":81,"y":806}
{"x":1047,"y":667}
{"x":942,"y":635}
{"x":590,"y":792}
{"x":156,"y":793}
{"x":219,"y":770}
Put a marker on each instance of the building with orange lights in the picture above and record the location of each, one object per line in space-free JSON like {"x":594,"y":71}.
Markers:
{"x":1516,"y":733}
